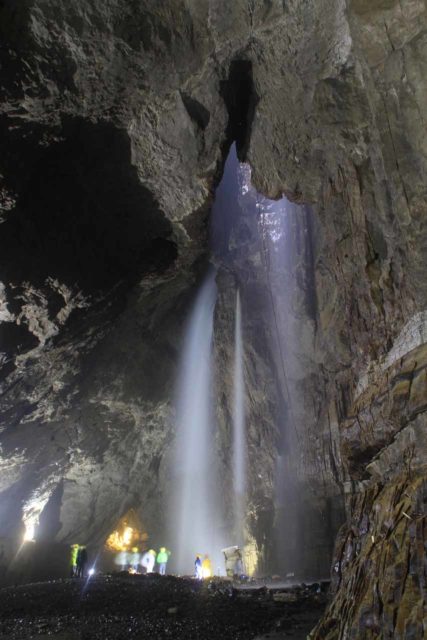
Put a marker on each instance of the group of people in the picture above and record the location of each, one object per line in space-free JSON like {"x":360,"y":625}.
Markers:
{"x":78,"y":560}
{"x":145,"y":562}
{"x":203,"y":568}
{"x":150,"y":558}
{"x":135,"y":561}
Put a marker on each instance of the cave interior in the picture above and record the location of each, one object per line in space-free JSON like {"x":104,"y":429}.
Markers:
{"x":213,"y":303}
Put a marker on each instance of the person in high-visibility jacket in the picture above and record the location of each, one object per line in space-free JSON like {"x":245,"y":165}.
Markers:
{"x":81,"y":561}
{"x":73,"y":559}
{"x":206,"y":567}
{"x":162,"y":560}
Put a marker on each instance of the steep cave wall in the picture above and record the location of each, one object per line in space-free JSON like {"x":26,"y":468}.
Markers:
{"x":264,"y":250}
{"x":114,"y":118}
{"x":352,"y":126}
{"x":239,"y":260}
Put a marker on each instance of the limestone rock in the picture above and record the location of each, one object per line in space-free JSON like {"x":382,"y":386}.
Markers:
{"x":114,"y":122}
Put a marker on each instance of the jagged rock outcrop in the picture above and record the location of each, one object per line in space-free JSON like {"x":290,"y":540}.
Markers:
{"x":115,"y":118}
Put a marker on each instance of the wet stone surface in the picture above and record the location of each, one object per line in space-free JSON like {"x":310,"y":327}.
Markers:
{"x":116,"y":607}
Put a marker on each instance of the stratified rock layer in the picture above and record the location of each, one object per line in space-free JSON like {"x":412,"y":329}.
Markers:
{"x":380,"y":562}
{"x":115,"y":117}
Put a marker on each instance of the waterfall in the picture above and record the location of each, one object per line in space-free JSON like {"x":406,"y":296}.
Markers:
{"x":239,"y":435}
{"x":244,"y":222}
{"x":196,"y":513}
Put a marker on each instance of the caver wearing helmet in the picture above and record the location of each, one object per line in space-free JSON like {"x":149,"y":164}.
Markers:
{"x":162,"y":560}
{"x":148,"y":560}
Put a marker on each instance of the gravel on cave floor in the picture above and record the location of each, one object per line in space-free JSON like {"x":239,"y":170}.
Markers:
{"x":154,"y":608}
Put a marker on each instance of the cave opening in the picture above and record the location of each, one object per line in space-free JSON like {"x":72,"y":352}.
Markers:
{"x":240,"y":97}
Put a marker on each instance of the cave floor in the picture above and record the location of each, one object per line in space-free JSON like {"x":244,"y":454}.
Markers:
{"x":154,"y":608}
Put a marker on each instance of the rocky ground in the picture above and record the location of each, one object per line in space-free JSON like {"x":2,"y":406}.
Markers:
{"x":115,"y":607}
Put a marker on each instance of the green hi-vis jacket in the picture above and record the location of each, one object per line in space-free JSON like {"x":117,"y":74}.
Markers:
{"x":162,"y":556}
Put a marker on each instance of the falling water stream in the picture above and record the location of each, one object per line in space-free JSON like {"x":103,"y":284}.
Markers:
{"x":197,"y":510}
{"x":197,"y":516}
{"x":239,"y":432}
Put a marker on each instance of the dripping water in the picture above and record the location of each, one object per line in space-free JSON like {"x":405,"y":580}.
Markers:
{"x":239,"y":431}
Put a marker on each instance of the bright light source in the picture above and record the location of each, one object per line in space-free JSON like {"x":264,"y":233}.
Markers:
{"x":30,"y":528}
{"x":32,"y":510}
{"x":127,"y":535}
{"x":121,"y":540}
{"x":91,"y":571}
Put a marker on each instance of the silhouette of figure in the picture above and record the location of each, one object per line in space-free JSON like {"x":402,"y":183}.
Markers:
{"x":81,"y":562}
{"x":198,"y":567}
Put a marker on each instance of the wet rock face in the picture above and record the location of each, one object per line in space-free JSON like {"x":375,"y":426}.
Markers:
{"x":264,"y":250}
{"x":380,"y":557}
{"x":114,"y":121}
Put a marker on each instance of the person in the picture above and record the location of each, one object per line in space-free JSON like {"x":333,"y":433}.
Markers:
{"x":198,"y":567}
{"x":121,"y":560}
{"x":135,"y":557}
{"x":148,"y":560}
{"x":73,"y":560}
{"x":81,"y":562}
{"x":162,"y":560}
{"x":206,"y":567}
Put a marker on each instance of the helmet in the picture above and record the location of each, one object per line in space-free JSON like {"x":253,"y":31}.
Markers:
{"x":153,"y":553}
{"x":163,"y":549}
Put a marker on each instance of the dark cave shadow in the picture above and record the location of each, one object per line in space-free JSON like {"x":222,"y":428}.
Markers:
{"x":82,"y":218}
{"x":82,"y":215}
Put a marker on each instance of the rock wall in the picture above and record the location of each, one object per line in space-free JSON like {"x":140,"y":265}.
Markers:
{"x":103,"y":231}
{"x":115,"y":120}
{"x":264,"y":249}
{"x":379,"y":580}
